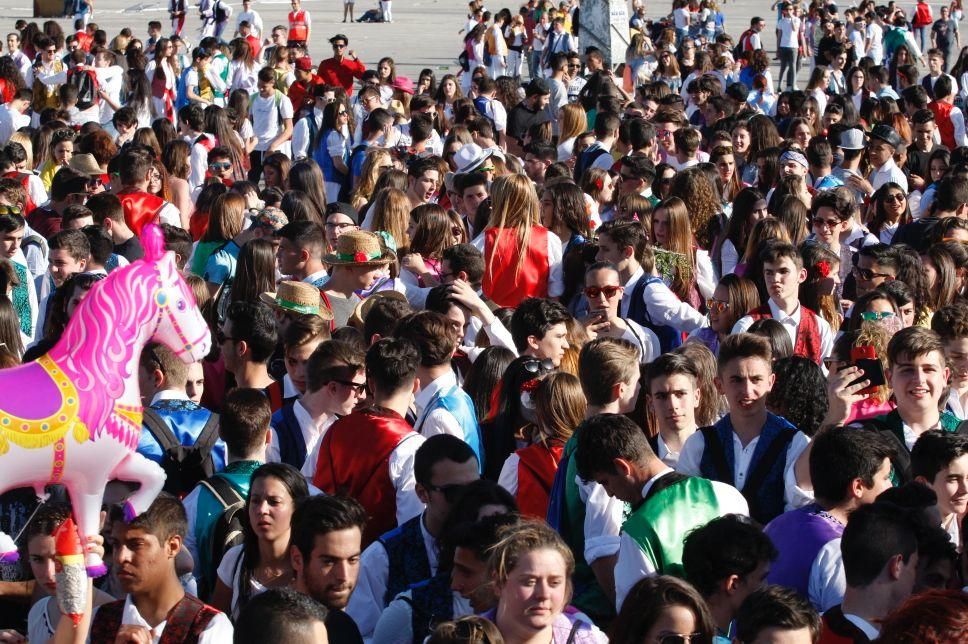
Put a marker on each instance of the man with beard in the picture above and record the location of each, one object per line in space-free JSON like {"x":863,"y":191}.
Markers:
{"x":325,"y":554}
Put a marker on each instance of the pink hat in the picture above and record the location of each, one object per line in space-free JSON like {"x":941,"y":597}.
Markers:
{"x":403,"y":84}
{"x":304,"y":64}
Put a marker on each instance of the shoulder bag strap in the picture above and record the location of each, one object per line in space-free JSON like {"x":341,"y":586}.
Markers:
{"x":223,"y":491}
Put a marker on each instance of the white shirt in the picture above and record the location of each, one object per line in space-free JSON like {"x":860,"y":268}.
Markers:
{"x":827,"y":581}
{"x":645,"y":339}
{"x":791,"y":323}
{"x":794,"y":496}
{"x":439,"y":420}
{"x":311,"y":432}
{"x":366,"y":602}
{"x":890,"y":172}
{"x":300,"y":135}
{"x":789,"y":29}
{"x":400,"y":465}
{"x":871,"y":631}
{"x":556,"y":280}
{"x":254,"y":20}
{"x":875,"y":49}
{"x":265,"y":120}
{"x":633,"y":564}
{"x":666,"y":308}
{"x":10,"y":121}
{"x":111,"y":80}
{"x":218,"y":631}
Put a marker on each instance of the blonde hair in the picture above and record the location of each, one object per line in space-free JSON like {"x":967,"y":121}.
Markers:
{"x":515,"y":208}
{"x":391,"y":213}
{"x":520,"y":539}
{"x":375,"y":157}
{"x":574,"y":121}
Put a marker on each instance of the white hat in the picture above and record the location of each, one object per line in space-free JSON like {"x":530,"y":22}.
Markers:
{"x":469,"y":157}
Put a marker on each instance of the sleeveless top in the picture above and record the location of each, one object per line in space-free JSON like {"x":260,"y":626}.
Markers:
{"x":298,"y":29}
{"x":808,"y":343}
{"x":799,"y":536}
{"x":292,"y":445}
{"x":406,"y":556}
{"x":946,"y":129}
{"x":185,"y":623}
{"x":503,"y":282}
{"x":537,"y":465}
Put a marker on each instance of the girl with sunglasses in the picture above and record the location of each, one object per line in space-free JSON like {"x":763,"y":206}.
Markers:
{"x":891,"y":210}
{"x":604,"y":295}
{"x":733,"y":298}
{"x":663,"y":610}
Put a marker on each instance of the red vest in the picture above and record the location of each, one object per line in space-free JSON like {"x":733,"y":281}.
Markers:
{"x":503,"y":282}
{"x":808,"y":343}
{"x":942,"y":116}
{"x":140,"y":208}
{"x":537,"y":465}
{"x":354,"y":460}
{"x":298,"y":29}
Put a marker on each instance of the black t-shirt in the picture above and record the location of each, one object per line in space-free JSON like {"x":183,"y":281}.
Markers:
{"x":521,"y":117}
{"x":341,"y":628}
{"x":131,"y":249}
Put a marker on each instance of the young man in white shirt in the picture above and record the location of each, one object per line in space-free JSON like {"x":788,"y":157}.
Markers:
{"x":882,"y":144}
{"x":250,"y":15}
{"x":271,"y":113}
{"x":13,"y":115}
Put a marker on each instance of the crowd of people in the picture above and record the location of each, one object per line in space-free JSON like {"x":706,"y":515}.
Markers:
{"x":553,"y":348}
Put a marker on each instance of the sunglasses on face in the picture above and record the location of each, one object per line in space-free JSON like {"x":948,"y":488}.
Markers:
{"x":867,"y":274}
{"x":451,"y":492}
{"x":9,"y":210}
{"x":820,"y":222}
{"x":897,"y":196}
{"x":592,"y":292}
{"x":538,"y":366}
{"x":339,"y":46}
{"x":223,"y":165}
{"x":359,"y":388}
{"x":716,"y":306}
{"x":676,"y":638}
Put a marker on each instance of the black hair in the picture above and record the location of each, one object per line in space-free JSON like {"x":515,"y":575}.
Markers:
{"x":278,"y":615}
{"x":254,"y":323}
{"x":605,"y":437}
{"x":391,"y":364}
{"x":875,"y":534}
{"x":799,"y":393}
{"x":727,"y":545}
{"x":442,"y":447}
{"x":934,"y":451}
{"x":466,"y":258}
{"x":775,"y":607}
{"x":102,"y":246}
{"x":244,"y":420}
{"x":534,"y":317}
{"x":322,"y":514}
{"x":840,"y":455}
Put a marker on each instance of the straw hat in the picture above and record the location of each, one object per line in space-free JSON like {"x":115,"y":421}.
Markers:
{"x":359,"y":248}
{"x":85,"y":163}
{"x":363,"y":307}
{"x":297,"y":297}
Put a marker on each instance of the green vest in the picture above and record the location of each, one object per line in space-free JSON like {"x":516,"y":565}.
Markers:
{"x":659,"y":525}
{"x":21,"y":299}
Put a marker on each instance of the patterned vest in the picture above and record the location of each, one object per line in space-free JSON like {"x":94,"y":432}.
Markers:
{"x":503,"y":282}
{"x":461,"y":407}
{"x":837,"y":629}
{"x":431,"y":602}
{"x":184,"y":624}
{"x":764,"y":487}
{"x":407,"y":557}
{"x":21,"y":299}
{"x":798,"y":536}
{"x":659,"y":523}
{"x":808,"y":342}
{"x":354,"y":461}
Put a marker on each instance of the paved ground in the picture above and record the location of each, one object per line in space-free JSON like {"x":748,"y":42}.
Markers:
{"x":423,"y":33}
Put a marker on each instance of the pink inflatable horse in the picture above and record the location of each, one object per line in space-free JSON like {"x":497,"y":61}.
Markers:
{"x":73,"y":417}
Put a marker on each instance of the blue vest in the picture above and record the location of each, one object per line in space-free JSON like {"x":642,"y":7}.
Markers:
{"x":292,"y":445}
{"x":186,"y":420}
{"x":767,"y":500}
{"x":459,"y":404}
{"x":406,"y":556}
{"x":431,"y":602}
{"x":669,"y":337}
{"x":321,"y":156}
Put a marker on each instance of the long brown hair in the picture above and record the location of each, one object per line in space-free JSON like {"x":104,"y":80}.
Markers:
{"x":559,"y":407}
{"x":225,"y":218}
{"x":391,"y":214}
{"x":680,"y":242}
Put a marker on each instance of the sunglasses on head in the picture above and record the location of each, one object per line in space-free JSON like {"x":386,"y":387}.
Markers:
{"x":10,"y":210}
{"x":593,"y":292}
{"x":537,"y":366}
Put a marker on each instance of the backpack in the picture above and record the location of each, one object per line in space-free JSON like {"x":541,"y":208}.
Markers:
{"x":464,"y":61}
{"x":220,"y":12}
{"x":87,"y":88}
{"x":742,"y":44}
{"x":227,"y":530}
{"x":184,"y":465}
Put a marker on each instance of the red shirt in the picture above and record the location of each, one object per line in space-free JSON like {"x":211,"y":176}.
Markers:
{"x":341,"y":72}
{"x":84,"y":40}
{"x":254,"y":44}
{"x":301,"y":94}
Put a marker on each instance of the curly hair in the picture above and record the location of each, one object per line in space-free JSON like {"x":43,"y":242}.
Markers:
{"x":696,"y":190}
{"x":931,"y":617}
{"x":799,"y":394}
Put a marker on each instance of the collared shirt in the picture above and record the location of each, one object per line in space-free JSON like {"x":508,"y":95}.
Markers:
{"x":317,"y":279}
{"x":888,"y":172}
{"x":439,"y":420}
{"x":871,"y":631}
{"x":218,"y":630}
{"x":790,"y":323}
{"x":341,"y":72}
{"x":311,"y":433}
{"x":366,"y":602}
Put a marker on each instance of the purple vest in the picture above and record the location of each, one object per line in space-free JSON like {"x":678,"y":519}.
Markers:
{"x":799,"y":535}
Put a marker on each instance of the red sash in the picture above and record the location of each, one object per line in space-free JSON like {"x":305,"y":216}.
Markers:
{"x":536,"y":472}
{"x":140,"y":208}
{"x":503,"y":282}
{"x":808,"y":343}
{"x":354,"y":460}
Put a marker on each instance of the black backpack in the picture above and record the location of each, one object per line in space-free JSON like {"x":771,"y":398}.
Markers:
{"x":184,"y":465}
{"x":221,"y":15}
{"x":227,"y":530}
{"x":87,"y":89}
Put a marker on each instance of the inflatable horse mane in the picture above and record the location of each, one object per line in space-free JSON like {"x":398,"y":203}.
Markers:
{"x":73,"y":417}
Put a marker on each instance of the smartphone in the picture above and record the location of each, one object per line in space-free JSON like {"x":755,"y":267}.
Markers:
{"x":865,"y":357}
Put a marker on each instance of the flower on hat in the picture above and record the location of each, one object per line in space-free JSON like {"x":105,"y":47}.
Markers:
{"x":823,"y":269}
{"x":360,"y":256}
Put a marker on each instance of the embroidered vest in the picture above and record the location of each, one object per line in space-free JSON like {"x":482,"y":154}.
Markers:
{"x":431,"y":602}
{"x":659,"y":523}
{"x":798,"y":536}
{"x":461,"y":407}
{"x":566,"y":514}
{"x":292,"y":445}
{"x":669,"y":337}
{"x":537,"y":465}
{"x":185,"y":623}
{"x":354,"y":460}
{"x":140,"y":208}
{"x":21,"y":299}
{"x":764,"y":486}
{"x":44,"y":95}
{"x":503,"y":282}
{"x":942,"y":116}
{"x":808,"y":343}
{"x":407,"y":558}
